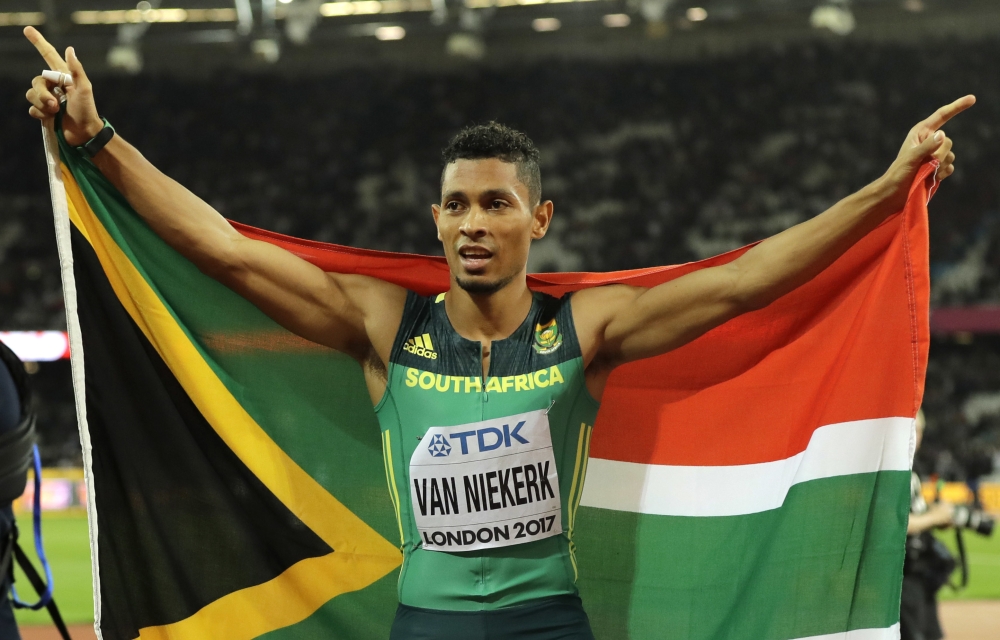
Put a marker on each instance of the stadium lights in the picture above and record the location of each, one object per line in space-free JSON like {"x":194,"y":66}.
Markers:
{"x":37,"y":346}
{"x":482,"y":4}
{"x":616,"y":20}
{"x":300,"y":20}
{"x":546,"y":24}
{"x":391,"y":32}
{"x":230,"y":14}
{"x":125,"y":57}
{"x":696,"y":14}
{"x":266,"y":50}
{"x":363,"y":7}
{"x":835,"y":16}
{"x":22,"y":19}
{"x":136,"y":16}
{"x":466,"y":45}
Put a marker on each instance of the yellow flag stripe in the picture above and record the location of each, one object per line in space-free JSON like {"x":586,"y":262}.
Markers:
{"x":576,"y":476}
{"x":570,"y":499}
{"x":392,"y":485}
{"x":385,"y":461}
{"x":583,"y":474}
{"x":360,"y":557}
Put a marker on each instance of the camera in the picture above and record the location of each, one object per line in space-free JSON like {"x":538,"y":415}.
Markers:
{"x":974,"y":520}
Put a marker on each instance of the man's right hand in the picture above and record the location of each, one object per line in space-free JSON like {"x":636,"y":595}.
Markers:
{"x":353,"y":314}
{"x":80,"y":123}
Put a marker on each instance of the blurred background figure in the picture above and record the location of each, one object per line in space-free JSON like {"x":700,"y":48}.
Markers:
{"x":929,"y":563}
{"x":17,"y":436}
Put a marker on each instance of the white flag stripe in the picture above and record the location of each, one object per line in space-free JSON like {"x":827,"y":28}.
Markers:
{"x":889,"y":633}
{"x":847,"y":448}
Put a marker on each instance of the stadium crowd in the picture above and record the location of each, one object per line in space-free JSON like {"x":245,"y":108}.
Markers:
{"x":647,"y":164}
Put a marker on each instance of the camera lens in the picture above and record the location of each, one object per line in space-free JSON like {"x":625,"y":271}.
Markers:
{"x":974,"y":520}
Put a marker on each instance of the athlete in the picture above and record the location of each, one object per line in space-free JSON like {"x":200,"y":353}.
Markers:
{"x":486,"y":393}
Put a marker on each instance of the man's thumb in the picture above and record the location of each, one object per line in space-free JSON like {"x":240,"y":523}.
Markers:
{"x":75,"y":68}
{"x":929,"y":146}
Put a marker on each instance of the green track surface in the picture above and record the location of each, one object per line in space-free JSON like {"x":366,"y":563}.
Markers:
{"x":68,"y":550}
{"x":984,"y":566}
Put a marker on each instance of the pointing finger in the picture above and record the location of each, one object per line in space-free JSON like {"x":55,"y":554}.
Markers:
{"x":47,"y":51}
{"x":947,"y":112}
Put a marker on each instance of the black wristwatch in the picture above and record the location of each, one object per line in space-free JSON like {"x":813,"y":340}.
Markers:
{"x":95,"y":144}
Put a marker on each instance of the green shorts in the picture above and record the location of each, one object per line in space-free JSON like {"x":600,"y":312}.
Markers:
{"x":556,"y":618}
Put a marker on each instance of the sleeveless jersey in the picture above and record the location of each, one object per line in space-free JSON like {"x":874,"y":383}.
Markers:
{"x":436,"y":384}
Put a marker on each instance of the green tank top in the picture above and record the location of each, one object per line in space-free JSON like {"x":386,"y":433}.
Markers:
{"x":486,"y":474}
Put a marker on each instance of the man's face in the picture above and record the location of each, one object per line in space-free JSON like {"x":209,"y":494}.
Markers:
{"x":486,"y":222}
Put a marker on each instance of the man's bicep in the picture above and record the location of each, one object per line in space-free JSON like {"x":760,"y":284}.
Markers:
{"x":671,"y":314}
{"x":301,"y":297}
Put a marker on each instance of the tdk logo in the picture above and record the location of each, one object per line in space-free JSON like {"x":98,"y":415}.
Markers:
{"x":439,"y":447}
{"x":489,"y":438}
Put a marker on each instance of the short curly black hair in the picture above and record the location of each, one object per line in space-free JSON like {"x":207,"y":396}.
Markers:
{"x":495,"y":140}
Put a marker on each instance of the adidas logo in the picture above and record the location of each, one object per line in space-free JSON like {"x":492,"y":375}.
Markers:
{"x":421,"y":346}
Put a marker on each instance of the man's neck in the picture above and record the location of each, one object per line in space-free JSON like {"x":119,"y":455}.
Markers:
{"x":485,"y":318}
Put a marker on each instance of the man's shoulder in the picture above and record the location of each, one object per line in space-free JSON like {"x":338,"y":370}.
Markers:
{"x":371,"y":291}
{"x":597,"y":304}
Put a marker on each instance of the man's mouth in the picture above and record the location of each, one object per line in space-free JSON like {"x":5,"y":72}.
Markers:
{"x":474,"y":258}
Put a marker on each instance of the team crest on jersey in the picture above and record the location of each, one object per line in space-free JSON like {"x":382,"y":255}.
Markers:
{"x":547,"y":337}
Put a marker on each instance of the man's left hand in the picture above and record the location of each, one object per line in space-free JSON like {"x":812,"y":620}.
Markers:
{"x":925,"y":141}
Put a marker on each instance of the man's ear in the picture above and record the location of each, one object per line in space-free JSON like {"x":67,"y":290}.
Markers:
{"x":436,"y":212}
{"x":542,"y":217}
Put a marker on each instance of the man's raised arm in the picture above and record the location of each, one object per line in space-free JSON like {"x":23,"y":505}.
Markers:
{"x":335,"y":310}
{"x":633,"y":323}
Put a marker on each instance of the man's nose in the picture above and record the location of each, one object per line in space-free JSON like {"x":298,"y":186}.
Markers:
{"x":474,"y":224}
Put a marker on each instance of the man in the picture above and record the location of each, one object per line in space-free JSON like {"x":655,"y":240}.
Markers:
{"x":486,"y":331}
{"x":928,"y":563}
{"x":13,"y":414}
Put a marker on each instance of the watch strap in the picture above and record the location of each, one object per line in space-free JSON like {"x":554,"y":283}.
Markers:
{"x":95,"y":144}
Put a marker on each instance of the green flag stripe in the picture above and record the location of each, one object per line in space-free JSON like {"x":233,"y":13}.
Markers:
{"x":829,"y":561}
{"x":270,"y":386}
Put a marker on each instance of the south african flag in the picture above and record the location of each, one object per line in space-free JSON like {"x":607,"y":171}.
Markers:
{"x":752,"y":485}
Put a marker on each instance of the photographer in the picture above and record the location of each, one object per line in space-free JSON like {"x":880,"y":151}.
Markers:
{"x":928,"y":562}
{"x":12,"y":419}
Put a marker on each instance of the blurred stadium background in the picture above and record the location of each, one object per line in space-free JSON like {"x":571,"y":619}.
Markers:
{"x":671,"y":130}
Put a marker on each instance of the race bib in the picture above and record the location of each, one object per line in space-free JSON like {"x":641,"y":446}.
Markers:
{"x":486,"y":484}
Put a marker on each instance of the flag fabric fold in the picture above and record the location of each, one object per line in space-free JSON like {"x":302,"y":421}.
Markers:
{"x":752,"y":484}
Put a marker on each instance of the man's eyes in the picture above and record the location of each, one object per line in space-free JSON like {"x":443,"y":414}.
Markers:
{"x":493,"y":205}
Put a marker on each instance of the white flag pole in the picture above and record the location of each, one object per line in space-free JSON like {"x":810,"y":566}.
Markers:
{"x":60,"y":212}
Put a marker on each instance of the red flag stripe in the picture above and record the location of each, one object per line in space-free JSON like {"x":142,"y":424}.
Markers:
{"x":849,"y":345}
